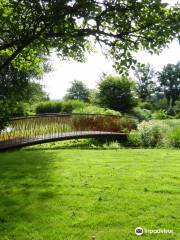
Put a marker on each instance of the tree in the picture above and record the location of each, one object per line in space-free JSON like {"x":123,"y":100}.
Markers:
{"x":16,"y":89}
{"x":17,"y":86}
{"x":93,"y":96}
{"x":30,"y":28}
{"x":117,"y":93}
{"x":13,"y":84}
{"x":145,"y":84}
{"x":169,"y":79}
{"x":13,"y":89}
{"x":36,"y":92}
{"x":77,"y":91}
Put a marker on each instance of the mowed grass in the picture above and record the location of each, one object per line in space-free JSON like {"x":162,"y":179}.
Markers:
{"x":89,"y":194}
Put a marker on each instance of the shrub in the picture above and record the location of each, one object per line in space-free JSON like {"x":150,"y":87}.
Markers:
{"x":141,"y":114}
{"x":174,"y":137}
{"x":145,"y":105}
{"x":19,"y":109}
{"x":134,"y":139}
{"x":70,"y":105}
{"x":171,"y":112}
{"x":97,"y":110}
{"x":160,"y":133}
{"x":161,"y":114}
{"x":150,"y":134}
{"x":158,"y":102}
{"x":117,"y":93}
{"x":128,"y":124}
{"x":153,"y":133}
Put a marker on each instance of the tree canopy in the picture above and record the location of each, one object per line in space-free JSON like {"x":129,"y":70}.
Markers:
{"x":117,"y":93}
{"x":77,"y":91}
{"x":169,"y":80}
{"x":30,"y":29}
{"x":17,"y":87}
{"x":145,"y":84}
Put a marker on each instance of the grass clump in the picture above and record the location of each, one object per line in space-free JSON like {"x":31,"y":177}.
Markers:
{"x":58,"y":106}
{"x":49,"y":107}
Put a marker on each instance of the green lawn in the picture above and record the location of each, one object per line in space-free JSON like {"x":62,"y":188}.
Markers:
{"x":78,"y":194}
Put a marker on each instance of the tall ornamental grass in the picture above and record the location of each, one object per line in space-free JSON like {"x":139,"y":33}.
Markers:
{"x":59,"y":106}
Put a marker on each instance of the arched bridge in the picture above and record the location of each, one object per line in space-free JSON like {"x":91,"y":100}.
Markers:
{"x":26,"y":131}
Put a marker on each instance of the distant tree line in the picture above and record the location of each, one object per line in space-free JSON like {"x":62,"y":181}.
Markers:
{"x":156,"y":90}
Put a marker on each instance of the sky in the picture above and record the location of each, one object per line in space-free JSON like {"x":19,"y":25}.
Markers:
{"x":64,"y":72}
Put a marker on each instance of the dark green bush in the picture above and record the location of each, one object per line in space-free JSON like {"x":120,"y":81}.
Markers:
{"x":171,"y":112}
{"x":117,"y":93}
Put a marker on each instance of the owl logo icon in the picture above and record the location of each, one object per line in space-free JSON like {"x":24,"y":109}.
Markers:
{"x":139,"y":231}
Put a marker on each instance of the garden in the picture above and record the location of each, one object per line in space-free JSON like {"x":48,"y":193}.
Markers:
{"x":66,"y":172}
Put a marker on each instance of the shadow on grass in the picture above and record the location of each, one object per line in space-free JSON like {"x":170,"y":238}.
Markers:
{"x":25,"y":180}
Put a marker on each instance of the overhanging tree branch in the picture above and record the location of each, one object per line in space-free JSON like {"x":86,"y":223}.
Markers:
{"x":68,"y":24}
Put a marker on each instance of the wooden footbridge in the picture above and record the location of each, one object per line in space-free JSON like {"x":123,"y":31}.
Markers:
{"x":26,"y":131}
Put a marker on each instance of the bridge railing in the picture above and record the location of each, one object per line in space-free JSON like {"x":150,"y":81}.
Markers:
{"x":49,"y":126}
